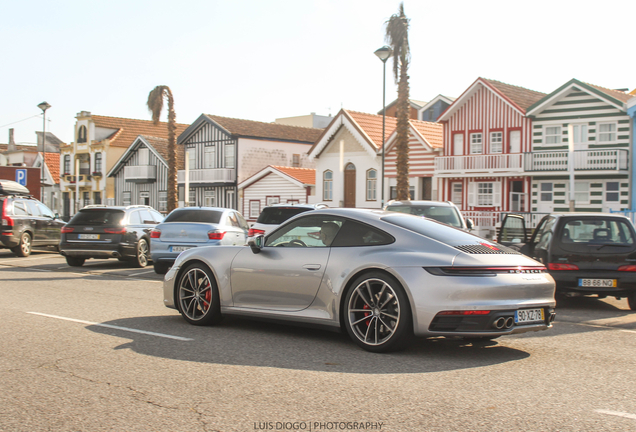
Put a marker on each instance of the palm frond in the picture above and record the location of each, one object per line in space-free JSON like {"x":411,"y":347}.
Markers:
{"x":397,"y":36}
{"x":155,"y":102}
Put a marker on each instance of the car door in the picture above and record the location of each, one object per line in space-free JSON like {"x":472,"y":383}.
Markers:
{"x":38,"y":222}
{"x":53,"y":225}
{"x":286,"y":274}
{"x":513,"y":232}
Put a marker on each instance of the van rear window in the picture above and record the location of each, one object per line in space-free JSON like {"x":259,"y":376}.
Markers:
{"x":597,"y":231}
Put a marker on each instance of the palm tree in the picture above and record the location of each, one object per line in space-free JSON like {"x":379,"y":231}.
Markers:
{"x":155,"y":105}
{"x":397,"y":36}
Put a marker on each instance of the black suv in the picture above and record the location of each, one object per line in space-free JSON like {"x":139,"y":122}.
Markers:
{"x":98,"y":231}
{"x":26,"y":222}
{"x":585,"y":253}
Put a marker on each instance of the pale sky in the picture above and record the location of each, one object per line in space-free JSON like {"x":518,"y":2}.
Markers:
{"x":265,"y":59}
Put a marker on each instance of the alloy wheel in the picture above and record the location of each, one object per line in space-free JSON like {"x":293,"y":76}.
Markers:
{"x":195,"y":294}
{"x":373,"y":312}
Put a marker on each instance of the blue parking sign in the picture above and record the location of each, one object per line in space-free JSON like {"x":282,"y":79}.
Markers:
{"x":21,"y":176}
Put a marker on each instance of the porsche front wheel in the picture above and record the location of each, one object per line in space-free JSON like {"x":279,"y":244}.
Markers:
{"x":197,"y":296}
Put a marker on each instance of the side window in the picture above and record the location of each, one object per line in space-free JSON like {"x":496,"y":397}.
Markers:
{"x":242,"y":222}
{"x":146,"y":217}
{"x":310,"y":231}
{"x":359,"y":234}
{"x":134,"y":218}
{"x":19,"y":209}
{"x":45,"y":210}
{"x":539,"y":230}
{"x":157,"y":216}
{"x":232,"y":220}
{"x":32,"y":208}
{"x":546,"y":234}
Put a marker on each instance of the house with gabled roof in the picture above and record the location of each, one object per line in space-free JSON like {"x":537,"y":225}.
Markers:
{"x":348,"y":159}
{"x":100,"y":142}
{"x":601,"y":129}
{"x":221,"y":152}
{"x":415,"y":107}
{"x":486,"y":133}
{"x":141,"y":174}
{"x":434,"y":108}
{"x":275,"y":185}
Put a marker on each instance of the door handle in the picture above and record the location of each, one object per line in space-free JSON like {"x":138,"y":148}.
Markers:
{"x":312,"y":266}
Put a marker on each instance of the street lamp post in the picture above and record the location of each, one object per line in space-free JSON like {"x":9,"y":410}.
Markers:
{"x":383,"y":54}
{"x":43,"y":106}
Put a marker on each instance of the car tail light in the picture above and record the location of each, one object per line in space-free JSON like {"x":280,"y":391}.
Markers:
{"x":6,"y":220}
{"x":254,"y":232}
{"x":121,"y":230}
{"x":468,"y":312}
{"x":155,"y":233}
{"x":559,"y":266}
{"x":483,"y":271}
{"x":66,"y":230}
{"x":627,"y":268}
{"x":216,"y":235}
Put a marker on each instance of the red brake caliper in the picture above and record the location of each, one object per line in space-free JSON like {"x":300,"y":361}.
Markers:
{"x":367,"y":314}
{"x":208,"y":297}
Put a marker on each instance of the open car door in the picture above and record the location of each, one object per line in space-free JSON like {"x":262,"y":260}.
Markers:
{"x":513,"y":232}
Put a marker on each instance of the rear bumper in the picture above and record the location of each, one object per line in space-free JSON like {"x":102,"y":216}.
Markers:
{"x":108,"y":250}
{"x":8,"y":240}
{"x":90,"y":253}
{"x":568,"y":281}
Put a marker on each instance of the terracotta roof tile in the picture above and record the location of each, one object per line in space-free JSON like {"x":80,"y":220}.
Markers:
{"x":19,"y":147}
{"x":303,"y":175}
{"x":616,"y":94}
{"x":522,"y":97}
{"x":161,"y":145}
{"x":255,"y":129}
{"x":53,"y":163}
{"x":433,"y":132}
{"x":129,"y":129}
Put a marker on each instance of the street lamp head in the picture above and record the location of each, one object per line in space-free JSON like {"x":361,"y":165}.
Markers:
{"x":44,"y":106}
{"x":384,"y":53}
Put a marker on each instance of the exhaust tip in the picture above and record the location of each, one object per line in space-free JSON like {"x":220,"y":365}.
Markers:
{"x":552,"y":317}
{"x":509,"y":322}
{"x":499,"y":323}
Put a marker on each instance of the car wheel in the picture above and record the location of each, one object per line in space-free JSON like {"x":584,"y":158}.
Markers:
{"x":23,"y":249}
{"x":141,"y":259}
{"x":75,"y":261}
{"x":631,"y":300}
{"x":377,"y":313}
{"x":161,"y":268}
{"x":197,"y":296}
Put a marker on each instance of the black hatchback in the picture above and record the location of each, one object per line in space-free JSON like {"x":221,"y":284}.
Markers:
{"x":585,"y":253}
{"x":109,"y":232}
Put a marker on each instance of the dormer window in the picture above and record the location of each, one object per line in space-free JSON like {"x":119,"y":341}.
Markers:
{"x":81,"y":134}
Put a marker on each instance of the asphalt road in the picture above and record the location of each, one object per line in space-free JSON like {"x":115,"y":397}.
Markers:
{"x":93,"y":348}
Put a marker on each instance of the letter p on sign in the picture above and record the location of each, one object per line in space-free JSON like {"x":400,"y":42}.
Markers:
{"x":21,"y":176}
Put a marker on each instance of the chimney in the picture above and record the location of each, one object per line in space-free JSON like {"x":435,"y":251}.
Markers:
{"x":11,"y":146}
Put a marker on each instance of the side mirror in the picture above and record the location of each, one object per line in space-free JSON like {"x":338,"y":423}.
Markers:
{"x":470,"y":224}
{"x":256,"y":243}
{"x":56,"y":216}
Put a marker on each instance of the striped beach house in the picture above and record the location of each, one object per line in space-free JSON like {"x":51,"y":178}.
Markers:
{"x":600,"y":125}
{"x":486,"y":135}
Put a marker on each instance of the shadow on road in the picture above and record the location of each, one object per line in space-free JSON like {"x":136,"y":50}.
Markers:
{"x":249,"y":343}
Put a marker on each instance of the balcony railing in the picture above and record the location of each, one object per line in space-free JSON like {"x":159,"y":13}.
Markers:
{"x":479,"y":163}
{"x":82,"y":180}
{"x":208,"y":175}
{"x":140,"y":173}
{"x":584,"y":160}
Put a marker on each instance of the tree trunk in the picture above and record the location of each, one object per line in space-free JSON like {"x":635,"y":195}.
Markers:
{"x":402,"y":139}
{"x":172,"y":156}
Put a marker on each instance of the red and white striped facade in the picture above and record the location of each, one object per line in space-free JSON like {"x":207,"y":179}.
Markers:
{"x":425,"y":143}
{"x":487,"y":107}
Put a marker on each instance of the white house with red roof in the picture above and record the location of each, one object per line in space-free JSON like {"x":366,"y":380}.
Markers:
{"x":275,"y":185}
{"x":348,"y":157}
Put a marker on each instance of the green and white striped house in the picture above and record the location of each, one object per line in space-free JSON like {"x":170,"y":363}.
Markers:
{"x":601,"y":140}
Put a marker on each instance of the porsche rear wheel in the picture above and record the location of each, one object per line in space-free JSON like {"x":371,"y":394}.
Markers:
{"x":377,"y":313}
{"x":197,"y":296}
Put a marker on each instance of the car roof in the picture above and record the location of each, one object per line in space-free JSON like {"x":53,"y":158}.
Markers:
{"x":204,"y":208}
{"x":297,"y":205}
{"x":587,"y":214}
{"x":421,"y":202}
{"x":122,"y":208}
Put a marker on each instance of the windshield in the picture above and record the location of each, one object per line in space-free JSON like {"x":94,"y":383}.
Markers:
{"x":98,"y":217}
{"x":278,"y":215}
{"x":444,"y":214}
{"x":194,"y":215}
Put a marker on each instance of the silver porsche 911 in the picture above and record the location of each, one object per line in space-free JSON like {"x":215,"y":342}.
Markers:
{"x":382,"y":277}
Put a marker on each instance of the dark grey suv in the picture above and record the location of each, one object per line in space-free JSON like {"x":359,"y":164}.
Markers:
{"x":109,"y":232}
{"x":26,"y":223}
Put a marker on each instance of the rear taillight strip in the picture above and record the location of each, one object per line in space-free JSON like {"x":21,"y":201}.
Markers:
{"x":484,"y":271}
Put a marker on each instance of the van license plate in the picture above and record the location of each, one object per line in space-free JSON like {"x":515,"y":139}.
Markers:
{"x":89,"y":236}
{"x":529,"y":316}
{"x":604,"y":283}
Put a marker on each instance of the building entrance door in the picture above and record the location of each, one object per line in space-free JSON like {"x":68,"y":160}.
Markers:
{"x":350,"y":185}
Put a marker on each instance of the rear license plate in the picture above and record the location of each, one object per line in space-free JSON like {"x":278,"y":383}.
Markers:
{"x":180,"y":248}
{"x":529,"y":316}
{"x":604,"y":283}
{"x":88,"y":236}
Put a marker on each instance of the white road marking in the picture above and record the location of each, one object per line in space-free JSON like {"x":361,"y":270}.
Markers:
{"x":144,"y":272}
{"x":112,"y":327}
{"x":629,"y":331}
{"x":617,"y":413}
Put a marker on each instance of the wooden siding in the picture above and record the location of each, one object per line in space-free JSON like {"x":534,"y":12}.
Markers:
{"x":154,"y":187}
{"x":421,"y":160}
{"x":271,"y":185}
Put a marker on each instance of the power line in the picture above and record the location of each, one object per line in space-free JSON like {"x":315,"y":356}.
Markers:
{"x":28,"y":118}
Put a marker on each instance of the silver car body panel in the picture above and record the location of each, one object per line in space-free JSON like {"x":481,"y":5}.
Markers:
{"x":277,"y":282}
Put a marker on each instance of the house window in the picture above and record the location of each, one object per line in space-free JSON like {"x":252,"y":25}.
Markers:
{"x":192,"y":160}
{"x":582,"y":192}
{"x":458,"y":144}
{"x":87,"y":198}
{"x":580,"y":136}
{"x":163,"y":201}
{"x":546,"y":192}
{"x":393,"y":192}
{"x":229,"y":156}
{"x":143,"y":156}
{"x":271,"y":200}
{"x":126,"y":198}
{"x":611,"y":192}
{"x":209,"y":157}
{"x":456,"y":193}
{"x":81,"y":135}
{"x":296,"y":160}
{"x":192,"y":198}
{"x":552,"y":135}
{"x":475,"y":143}
{"x":372,"y":183}
{"x":98,"y":162}
{"x":209,"y":198}
{"x":515,"y":141}
{"x":327,"y":186}
{"x":144,"y":198}
{"x":485,"y":195}
{"x":496,"y":142}
{"x":97,"y":198}
{"x":255,"y":208}
{"x":606,"y":132}
{"x":67,"y":164}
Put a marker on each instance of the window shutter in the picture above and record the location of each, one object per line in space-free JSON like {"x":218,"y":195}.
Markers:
{"x":496,"y":191}
{"x":471,"y":194}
